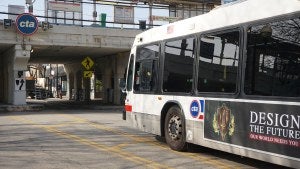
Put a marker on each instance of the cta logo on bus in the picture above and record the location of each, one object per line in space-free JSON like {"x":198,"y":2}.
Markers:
{"x":27,"y":24}
{"x":196,"y":108}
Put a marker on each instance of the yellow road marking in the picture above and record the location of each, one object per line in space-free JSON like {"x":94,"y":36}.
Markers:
{"x":122,"y":145}
{"x":63,"y":124}
{"x":208,"y":160}
{"x":115,"y":150}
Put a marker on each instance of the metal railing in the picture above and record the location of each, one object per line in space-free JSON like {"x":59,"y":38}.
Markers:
{"x":86,"y":23}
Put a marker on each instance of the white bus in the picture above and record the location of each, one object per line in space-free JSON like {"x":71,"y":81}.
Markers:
{"x":228,"y":80}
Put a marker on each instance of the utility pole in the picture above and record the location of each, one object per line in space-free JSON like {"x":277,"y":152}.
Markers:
{"x":57,"y":82}
{"x":30,"y":5}
{"x":150,"y":14}
{"x":51,"y":79}
{"x":94,"y":13}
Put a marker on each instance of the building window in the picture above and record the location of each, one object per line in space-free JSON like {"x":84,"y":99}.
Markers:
{"x":218,"y":62}
{"x":273,"y":59}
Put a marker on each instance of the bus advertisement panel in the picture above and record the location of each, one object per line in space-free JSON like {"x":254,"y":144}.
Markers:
{"x":273,"y":128}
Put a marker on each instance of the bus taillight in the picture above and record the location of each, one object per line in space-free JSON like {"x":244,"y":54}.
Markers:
{"x":128,"y":108}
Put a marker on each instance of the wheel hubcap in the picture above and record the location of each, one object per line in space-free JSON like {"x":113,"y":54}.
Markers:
{"x":175,"y":128}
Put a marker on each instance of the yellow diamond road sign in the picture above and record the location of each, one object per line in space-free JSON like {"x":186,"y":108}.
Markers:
{"x":87,"y":74}
{"x":87,"y":63}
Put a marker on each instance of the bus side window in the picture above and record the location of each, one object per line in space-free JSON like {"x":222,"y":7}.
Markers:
{"x":178,"y":65}
{"x":218,"y":62}
{"x":137,"y":75}
{"x":273,"y":59}
{"x":146,"y":75}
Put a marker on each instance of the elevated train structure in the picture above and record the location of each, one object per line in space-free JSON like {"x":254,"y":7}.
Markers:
{"x":68,"y":45}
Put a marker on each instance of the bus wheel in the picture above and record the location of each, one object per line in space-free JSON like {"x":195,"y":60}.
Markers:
{"x":175,"y":129}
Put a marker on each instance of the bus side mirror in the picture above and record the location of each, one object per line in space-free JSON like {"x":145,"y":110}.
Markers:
{"x":122,"y":85}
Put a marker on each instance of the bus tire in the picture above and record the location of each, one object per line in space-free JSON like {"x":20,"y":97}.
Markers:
{"x":175,"y":133}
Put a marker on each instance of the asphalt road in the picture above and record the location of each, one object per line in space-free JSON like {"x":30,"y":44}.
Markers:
{"x":85,"y":139}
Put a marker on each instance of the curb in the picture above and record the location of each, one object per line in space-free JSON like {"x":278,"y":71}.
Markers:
{"x":21,"y":108}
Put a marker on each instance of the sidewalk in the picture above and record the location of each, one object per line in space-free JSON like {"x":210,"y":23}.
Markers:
{"x":59,"y":104}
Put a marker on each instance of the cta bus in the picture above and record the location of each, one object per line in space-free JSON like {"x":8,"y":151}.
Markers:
{"x":228,"y":80}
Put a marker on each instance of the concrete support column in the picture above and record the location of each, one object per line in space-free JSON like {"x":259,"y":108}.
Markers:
{"x":70,"y":85}
{"x":107,"y":79}
{"x":78,"y":85}
{"x":87,"y":88}
{"x":107,"y":87}
{"x":74,"y":79}
{"x":99,"y":89}
{"x":117,"y":93}
{"x":70,"y":81}
{"x":16,"y":60}
{"x":1,"y":77}
{"x":121,"y":64}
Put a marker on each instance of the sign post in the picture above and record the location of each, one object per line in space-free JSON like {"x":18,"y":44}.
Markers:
{"x":87,"y":63}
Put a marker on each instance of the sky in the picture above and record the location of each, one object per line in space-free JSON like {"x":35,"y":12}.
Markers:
{"x":39,"y":9}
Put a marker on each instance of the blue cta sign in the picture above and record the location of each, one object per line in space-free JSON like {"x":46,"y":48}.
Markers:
{"x":27,"y":24}
{"x":194,"y":108}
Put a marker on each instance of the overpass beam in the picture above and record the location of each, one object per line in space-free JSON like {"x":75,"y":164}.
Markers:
{"x":16,"y":59}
